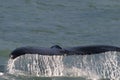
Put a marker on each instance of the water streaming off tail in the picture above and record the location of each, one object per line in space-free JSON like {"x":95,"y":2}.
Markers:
{"x":37,"y":65}
{"x":105,"y":65}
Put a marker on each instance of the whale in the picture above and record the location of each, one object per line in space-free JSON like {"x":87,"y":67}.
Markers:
{"x":58,"y":50}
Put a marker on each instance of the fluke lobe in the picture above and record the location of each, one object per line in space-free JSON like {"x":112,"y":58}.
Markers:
{"x":57,"y":50}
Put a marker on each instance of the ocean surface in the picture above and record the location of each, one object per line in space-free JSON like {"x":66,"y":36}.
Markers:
{"x":45,"y":23}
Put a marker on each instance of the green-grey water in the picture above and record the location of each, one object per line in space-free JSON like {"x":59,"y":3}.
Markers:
{"x":64,"y":22}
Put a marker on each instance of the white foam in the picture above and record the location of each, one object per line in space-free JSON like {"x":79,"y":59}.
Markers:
{"x":1,"y":73}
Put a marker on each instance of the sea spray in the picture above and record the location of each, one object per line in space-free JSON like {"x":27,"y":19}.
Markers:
{"x":36,"y":65}
{"x":104,"y":65}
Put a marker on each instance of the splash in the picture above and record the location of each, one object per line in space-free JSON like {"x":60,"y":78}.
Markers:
{"x":36,"y":65}
{"x":105,"y":65}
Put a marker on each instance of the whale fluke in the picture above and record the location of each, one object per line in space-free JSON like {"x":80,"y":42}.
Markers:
{"x":95,"y":49}
{"x":56,"y":46}
{"x":57,"y":50}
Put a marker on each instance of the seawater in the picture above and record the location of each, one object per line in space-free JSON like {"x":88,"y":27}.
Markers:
{"x":37,"y":65}
{"x":68,"y":23}
{"x":105,"y":65}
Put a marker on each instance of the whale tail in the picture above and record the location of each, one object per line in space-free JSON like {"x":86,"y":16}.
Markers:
{"x":57,"y":50}
{"x":95,"y":49}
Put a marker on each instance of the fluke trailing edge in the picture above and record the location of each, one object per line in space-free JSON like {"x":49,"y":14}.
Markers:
{"x":57,"y":50}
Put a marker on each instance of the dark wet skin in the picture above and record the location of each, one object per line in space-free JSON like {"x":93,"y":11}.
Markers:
{"x":57,"y":50}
